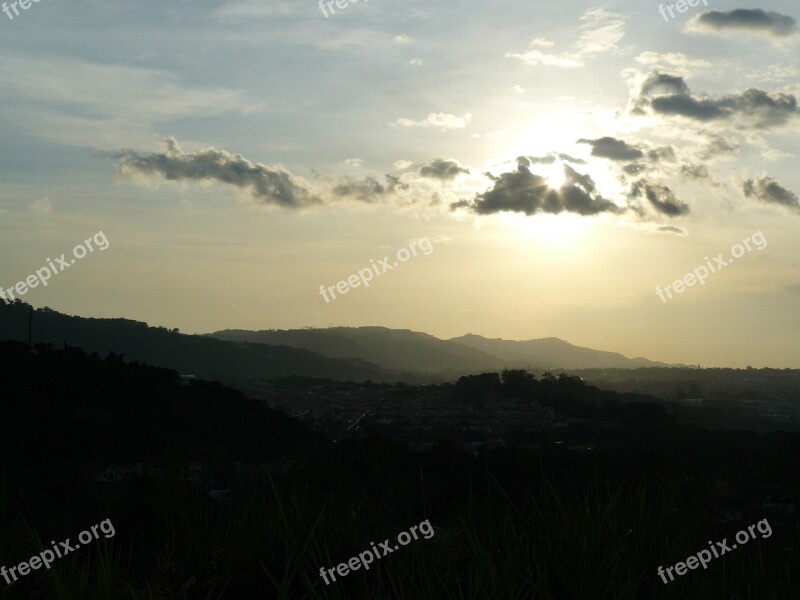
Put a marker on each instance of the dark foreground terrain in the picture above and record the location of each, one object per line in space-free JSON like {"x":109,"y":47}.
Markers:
{"x":213,"y":495}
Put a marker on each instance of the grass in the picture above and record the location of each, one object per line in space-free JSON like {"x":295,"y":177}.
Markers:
{"x":553,"y":538}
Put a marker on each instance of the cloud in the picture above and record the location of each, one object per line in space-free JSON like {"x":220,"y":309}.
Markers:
{"x":402,"y":39}
{"x":487,"y":135}
{"x":42,"y":205}
{"x":660,"y":197}
{"x":634,"y":168}
{"x":402,"y":164}
{"x":549,"y":159}
{"x":774,"y":74}
{"x":612,"y":149}
{"x":444,"y":120}
{"x":443,"y":169}
{"x":76,"y":102}
{"x":536,"y":57}
{"x":526,"y":192}
{"x":664,"y":83}
{"x":354,"y":162}
{"x":671,"y":60}
{"x":693,"y":171}
{"x":672,"y":229}
{"x":720,"y":147}
{"x":772,"y":25}
{"x":415,"y":62}
{"x":662,"y":153}
{"x":767,"y":190}
{"x":262,"y":183}
{"x":669,"y":96}
{"x":368,"y":190}
{"x":600,"y":32}
{"x":248,"y":11}
{"x":773,"y":154}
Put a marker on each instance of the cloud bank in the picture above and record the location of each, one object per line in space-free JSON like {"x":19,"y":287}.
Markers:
{"x":262,"y":183}
{"x":526,"y":192}
{"x":772,"y":25}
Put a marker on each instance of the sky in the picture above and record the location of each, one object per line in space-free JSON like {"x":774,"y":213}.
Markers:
{"x":566,"y":162}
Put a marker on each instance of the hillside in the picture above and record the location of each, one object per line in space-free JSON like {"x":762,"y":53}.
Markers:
{"x":188,"y":354}
{"x":396,"y":349}
{"x":551,"y":353}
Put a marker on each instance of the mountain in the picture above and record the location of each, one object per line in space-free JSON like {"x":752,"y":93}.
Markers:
{"x":551,"y":353}
{"x":405,"y":350}
{"x":397,"y":349}
{"x":342,"y":353}
{"x":198,"y":355}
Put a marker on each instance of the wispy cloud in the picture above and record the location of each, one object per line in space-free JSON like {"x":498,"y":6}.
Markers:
{"x":600,"y":32}
{"x":444,"y":121}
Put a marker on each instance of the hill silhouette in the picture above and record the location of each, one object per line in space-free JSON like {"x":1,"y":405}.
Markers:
{"x":397,"y":349}
{"x":406,"y":350}
{"x":552,"y":353}
{"x":198,"y":355}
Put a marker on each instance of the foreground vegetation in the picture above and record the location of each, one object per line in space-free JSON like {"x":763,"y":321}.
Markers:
{"x":540,"y":523}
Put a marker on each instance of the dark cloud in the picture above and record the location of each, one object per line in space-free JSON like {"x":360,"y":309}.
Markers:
{"x":662,"y":153}
{"x":368,"y":189}
{"x":691,"y":171}
{"x":660,"y":197}
{"x":634,"y":168}
{"x":657,"y":83}
{"x":443,"y":169}
{"x":687,"y":106}
{"x":766,"y":189}
{"x":526,"y":192}
{"x":755,"y":108}
{"x":770,"y":24}
{"x":570,"y":159}
{"x":551,"y":158}
{"x":613,"y":149}
{"x":264,"y":184}
{"x":719,"y":147}
{"x":663,"y":83}
{"x":672,"y":229}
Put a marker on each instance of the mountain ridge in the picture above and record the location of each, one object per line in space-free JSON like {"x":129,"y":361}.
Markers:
{"x":428,"y":354}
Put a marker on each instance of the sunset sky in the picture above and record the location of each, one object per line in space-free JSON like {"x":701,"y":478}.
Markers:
{"x":564,"y":159}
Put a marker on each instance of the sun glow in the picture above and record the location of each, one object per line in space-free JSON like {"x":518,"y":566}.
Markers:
{"x":554,"y":174}
{"x":567,"y":232}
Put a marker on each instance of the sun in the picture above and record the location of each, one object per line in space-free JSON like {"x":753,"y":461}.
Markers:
{"x":554,"y":174}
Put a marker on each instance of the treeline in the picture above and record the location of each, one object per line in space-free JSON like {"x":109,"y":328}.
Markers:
{"x":63,"y":407}
{"x":568,"y":395}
